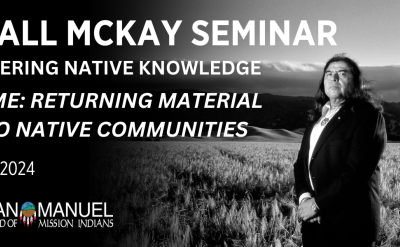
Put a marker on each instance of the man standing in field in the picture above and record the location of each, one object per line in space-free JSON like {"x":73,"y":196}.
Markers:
{"x":337,"y":172}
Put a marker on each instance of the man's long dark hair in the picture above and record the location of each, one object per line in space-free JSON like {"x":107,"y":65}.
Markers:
{"x":362,"y":91}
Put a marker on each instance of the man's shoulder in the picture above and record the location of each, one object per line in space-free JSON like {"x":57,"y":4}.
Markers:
{"x":367,"y":115}
{"x":363,"y":108}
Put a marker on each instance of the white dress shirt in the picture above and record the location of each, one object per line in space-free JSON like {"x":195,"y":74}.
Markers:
{"x":327,"y":113}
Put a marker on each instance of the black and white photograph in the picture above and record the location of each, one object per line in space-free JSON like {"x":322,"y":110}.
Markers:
{"x":200,"y":123}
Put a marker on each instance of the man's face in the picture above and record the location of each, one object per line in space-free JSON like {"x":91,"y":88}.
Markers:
{"x":338,"y":80}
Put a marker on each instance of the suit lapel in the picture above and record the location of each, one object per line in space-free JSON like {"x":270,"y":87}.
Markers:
{"x":330,"y":127}
{"x":307,"y":135}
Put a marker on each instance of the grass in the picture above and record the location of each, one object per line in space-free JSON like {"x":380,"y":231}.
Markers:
{"x":213,"y":194}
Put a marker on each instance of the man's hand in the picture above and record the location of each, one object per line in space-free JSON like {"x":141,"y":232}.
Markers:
{"x":315,"y":219}
{"x":305,"y":210}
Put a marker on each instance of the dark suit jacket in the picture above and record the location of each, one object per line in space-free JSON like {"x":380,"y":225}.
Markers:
{"x":345,"y":173}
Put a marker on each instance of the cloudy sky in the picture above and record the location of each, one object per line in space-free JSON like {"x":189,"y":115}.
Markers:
{"x":367,"y":30}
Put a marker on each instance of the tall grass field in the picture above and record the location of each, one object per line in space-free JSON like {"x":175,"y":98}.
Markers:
{"x":213,"y":194}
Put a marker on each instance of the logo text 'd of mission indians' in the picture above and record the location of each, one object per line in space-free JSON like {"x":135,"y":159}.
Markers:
{"x":55,"y":215}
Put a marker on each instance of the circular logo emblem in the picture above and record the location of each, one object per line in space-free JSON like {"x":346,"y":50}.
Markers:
{"x":28,"y":209}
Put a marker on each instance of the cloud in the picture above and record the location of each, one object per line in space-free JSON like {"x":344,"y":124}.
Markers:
{"x":379,"y":66}
{"x":287,"y":66}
